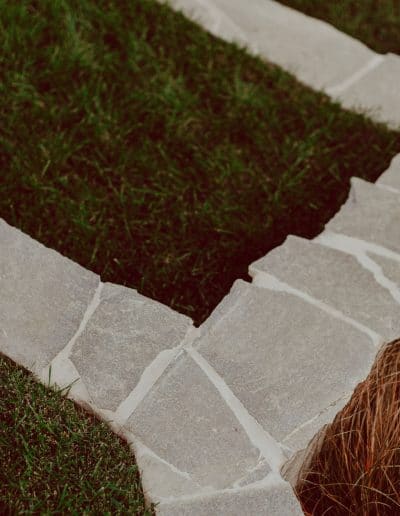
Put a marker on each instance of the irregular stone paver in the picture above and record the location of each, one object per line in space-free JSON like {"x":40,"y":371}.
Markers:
{"x":186,"y":423}
{"x":377,"y":93}
{"x":44,"y":297}
{"x":285,"y":359}
{"x":125,"y":334}
{"x":370,"y":213}
{"x":336,"y":278}
{"x":317,"y":53}
{"x":277,"y":500}
{"x":392,"y":175}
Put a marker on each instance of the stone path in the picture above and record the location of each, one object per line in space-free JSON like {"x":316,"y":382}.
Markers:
{"x":315,"y":52}
{"x":213,"y":413}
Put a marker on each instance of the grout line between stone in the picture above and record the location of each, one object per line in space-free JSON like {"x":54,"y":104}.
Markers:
{"x":259,"y":437}
{"x":66,"y":351}
{"x":356,"y":76}
{"x":265,"y":280}
{"x":341,"y":242}
{"x":150,"y":376}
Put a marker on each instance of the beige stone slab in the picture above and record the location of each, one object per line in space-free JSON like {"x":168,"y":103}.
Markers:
{"x":391,"y":177}
{"x":377,"y":93}
{"x":44,"y":297}
{"x":186,"y":423}
{"x":370,"y":213}
{"x":123,"y":337}
{"x":336,"y":278}
{"x":314,"y":51}
{"x":284,"y":359}
{"x":277,"y":500}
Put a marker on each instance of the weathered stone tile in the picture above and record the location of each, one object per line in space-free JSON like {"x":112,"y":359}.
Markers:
{"x":392,"y":175}
{"x":371,"y":214}
{"x":317,"y":53}
{"x":277,"y":500}
{"x":44,"y":297}
{"x":337,"y":279}
{"x":125,"y":334}
{"x":186,"y":423}
{"x":285,"y":359}
{"x":377,"y":93}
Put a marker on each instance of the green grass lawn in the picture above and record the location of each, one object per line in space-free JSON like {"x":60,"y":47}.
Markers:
{"x":56,"y":459}
{"x":163,"y":159}
{"x":375,"y":22}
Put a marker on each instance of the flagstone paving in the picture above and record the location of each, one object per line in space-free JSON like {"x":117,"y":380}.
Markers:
{"x":214,"y":413}
{"x":318,"y":54}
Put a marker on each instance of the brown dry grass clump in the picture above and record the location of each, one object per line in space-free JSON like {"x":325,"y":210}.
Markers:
{"x":356,"y":470}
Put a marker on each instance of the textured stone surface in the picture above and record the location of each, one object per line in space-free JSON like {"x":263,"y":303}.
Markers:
{"x":186,"y":423}
{"x":370,"y":213}
{"x":125,"y":334}
{"x":392,"y":175}
{"x":390,"y":268}
{"x":317,"y":53}
{"x":277,"y":500}
{"x":377,"y":93}
{"x":337,"y":279}
{"x":44,"y":297}
{"x":285,"y":359}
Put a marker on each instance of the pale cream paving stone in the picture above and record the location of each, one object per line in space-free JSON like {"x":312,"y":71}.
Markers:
{"x":391,"y":178}
{"x":283,"y":358}
{"x":122,"y":338}
{"x":337,"y":279}
{"x":317,"y":53}
{"x":44,"y":297}
{"x":185,"y":421}
{"x":276,"y":500}
{"x":377,"y":93}
{"x":370,"y":213}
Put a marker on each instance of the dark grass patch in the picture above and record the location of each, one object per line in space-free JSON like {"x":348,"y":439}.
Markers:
{"x":160,"y":157}
{"x":67,"y":462}
{"x":375,"y":22}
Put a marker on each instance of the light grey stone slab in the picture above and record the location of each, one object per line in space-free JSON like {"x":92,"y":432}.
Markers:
{"x":125,"y":334}
{"x":278,"y":500}
{"x":337,"y":279}
{"x":391,"y":177}
{"x":185,"y":421}
{"x":317,"y":53}
{"x":370,"y":213}
{"x":377,"y":93}
{"x":285,"y":359}
{"x":44,"y":297}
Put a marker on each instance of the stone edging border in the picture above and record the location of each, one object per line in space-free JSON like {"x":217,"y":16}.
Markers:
{"x":318,"y":54}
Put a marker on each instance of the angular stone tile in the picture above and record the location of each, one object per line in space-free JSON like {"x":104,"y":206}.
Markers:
{"x":44,"y":297}
{"x":371,"y":214}
{"x":337,"y":279}
{"x":317,"y":53}
{"x":186,"y":423}
{"x":276,"y":500}
{"x":377,"y":93}
{"x":125,"y":334}
{"x":285,"y":359}
{"x":392,"y":175}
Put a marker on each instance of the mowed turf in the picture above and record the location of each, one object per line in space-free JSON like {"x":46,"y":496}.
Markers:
{"x":56,"y":459}
{"x":375,"y":22}
{"x":160,"y":157}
